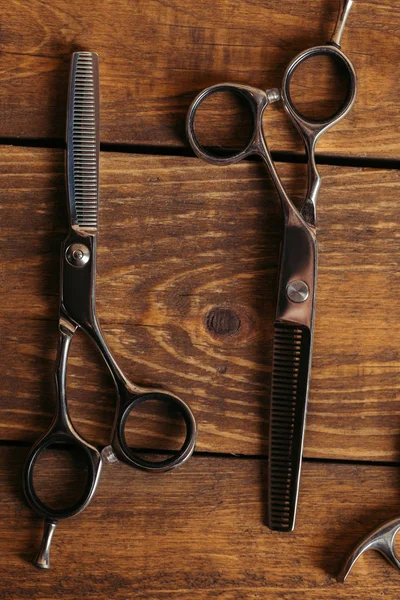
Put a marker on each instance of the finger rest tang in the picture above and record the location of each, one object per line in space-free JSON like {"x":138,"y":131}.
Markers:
{"x":343,"y":14}
{"x":42,"y":560}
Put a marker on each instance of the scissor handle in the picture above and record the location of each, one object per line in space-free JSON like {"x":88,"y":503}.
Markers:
{"x":312,"y":129}
{"x":60,"y":436}
{"x":62,"y":433}
{"x":129,"y":396}
{"x":256,"y":99}
{"x":124,"y":452}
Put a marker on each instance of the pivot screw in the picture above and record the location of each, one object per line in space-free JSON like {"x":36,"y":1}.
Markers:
{"x":78,"y":255}
{"x":297,"y":291}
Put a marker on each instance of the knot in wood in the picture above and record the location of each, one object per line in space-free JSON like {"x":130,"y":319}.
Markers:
{"x":222,"y":321}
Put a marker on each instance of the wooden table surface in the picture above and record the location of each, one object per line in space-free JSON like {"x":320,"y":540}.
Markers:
{"x":187,"y":270}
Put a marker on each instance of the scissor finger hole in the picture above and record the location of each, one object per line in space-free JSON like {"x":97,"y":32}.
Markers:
{"x":157,"y":431}
{"x":320,"y":86}
{"x":59,"y":476}
{"x":223,"y":123}
{"x":155,"y":426}
{"x":58,"y":479}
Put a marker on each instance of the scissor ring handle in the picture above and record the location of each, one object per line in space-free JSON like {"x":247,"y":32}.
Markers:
{"x":93,"y":462}
{"x":127,"y":455}
{"x":316,"y":127}
{"x":256,"y":99}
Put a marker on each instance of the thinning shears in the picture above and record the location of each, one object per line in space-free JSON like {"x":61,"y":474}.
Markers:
{"x":78,"y":311}
{"x":294,"y":320}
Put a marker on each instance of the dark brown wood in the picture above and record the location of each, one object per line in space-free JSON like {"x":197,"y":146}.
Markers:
{"x":154,"y":58}
{"x":186,"y":290}
{"x":198,"y":533}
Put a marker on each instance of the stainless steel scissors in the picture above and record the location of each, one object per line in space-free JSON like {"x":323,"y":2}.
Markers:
{"x":382,"y":539}
{"x":78,"y":311}
{"x":294,"y":320}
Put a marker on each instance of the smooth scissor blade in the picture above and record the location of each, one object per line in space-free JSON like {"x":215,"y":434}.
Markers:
{"x":83,"y":141}
{"x":290,"y":377}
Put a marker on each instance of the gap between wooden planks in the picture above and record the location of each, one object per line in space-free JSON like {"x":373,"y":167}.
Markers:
{"x":180,"y":241}
{"x":156,"y":56}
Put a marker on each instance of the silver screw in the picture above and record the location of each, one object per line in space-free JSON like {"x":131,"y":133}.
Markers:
{"x":78,"y":255}
{"x":297,"y":291}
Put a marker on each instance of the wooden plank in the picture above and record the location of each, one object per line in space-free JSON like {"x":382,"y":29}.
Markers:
{"x":198,"y":533}
{"x":186,"y":291}
{"x":155,"y":56}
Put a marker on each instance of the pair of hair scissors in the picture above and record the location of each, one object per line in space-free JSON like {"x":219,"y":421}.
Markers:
{"x":78,"y":311}
{"x":294,"y":320}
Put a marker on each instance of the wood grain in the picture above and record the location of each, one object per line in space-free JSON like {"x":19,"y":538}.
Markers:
{"x":155,"y":56}
{"x":198,"y":533}
{"x":186,"y":290}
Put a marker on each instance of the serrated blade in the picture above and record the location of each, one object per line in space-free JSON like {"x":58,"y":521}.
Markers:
{"x":289,"y":393}
{"x":83,"y":141}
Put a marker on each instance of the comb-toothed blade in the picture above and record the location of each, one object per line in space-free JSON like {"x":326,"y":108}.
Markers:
{"x":290,"y":375}
{"x":83,"y":143}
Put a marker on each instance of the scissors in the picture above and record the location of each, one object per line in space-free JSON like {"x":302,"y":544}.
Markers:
{"x":78,"y":311}
{"x":294,"y":320}
{"x":381,"y":539}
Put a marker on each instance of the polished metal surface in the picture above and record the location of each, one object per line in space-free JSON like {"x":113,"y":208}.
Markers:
{"x":297,"y":291}
{"x":78,"y":311}
{"x":78,"y":255}
{"x":83,"y":141}
{"x":298,"y":263}
{"x":42,"y":559}
{"x":343,"y":14}
{"x":381,"y":539}
{"x":273,"y":95}
{"x":108,"y":455}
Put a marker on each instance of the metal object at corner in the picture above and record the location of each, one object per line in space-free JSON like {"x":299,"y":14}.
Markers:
{"x":381,"y":539}
{"x":297,"y":291}
{"x":78,"y":255}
